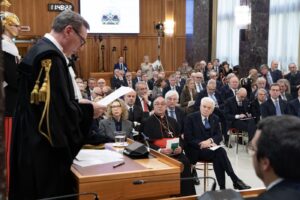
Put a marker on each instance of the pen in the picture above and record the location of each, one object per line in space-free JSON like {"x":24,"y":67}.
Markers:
{"x":119,"y":164}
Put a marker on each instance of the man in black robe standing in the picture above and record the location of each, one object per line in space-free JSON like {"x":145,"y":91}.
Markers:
{"x":51,"y":121}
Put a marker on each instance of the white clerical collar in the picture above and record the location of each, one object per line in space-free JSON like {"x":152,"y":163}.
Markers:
{"x":272,"y":184}
{"x":54,"y":41}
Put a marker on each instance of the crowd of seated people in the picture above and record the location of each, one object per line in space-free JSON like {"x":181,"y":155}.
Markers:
{"x":238,"y":102}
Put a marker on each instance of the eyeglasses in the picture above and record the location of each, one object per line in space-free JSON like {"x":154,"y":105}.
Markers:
{"x":82,"y":40}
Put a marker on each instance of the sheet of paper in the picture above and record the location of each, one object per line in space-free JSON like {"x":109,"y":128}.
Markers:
{"x":115,"y":95}
{"x":172,"y":143}
{"x":216,"y":147}
{"x":89,"y":157}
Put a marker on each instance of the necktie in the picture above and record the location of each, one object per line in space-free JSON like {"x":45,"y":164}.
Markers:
{"x":206,"y":123}
{"x":269,"y":78}
{"x":277,"y":107}
{"x":215,"y":99}
{"x":146,"y":109}
{"x":131,"y":117}
{"x":130,"y":110}
{"x":173,"y":115}
{"x":239,"y":103}
{"x":121,"y":66}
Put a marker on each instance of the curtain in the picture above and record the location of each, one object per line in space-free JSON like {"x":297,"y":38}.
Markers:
{"x":284,"y":31}
{"x":228,"y":34}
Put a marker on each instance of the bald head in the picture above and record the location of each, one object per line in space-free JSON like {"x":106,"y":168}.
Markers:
{"x":241,"y":94}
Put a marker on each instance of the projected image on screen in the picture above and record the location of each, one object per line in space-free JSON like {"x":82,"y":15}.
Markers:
{"x":111,"y":16}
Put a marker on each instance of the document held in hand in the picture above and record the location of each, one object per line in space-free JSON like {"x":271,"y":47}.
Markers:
{"x":172,"y":143}
{"x":114,"y":95}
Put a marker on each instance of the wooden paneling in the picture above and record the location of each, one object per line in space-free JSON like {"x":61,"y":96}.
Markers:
{"x":34,"y":13}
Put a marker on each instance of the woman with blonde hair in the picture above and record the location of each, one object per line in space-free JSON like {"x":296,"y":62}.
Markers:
{"x":188,"y":95}
{"x":117,"y":120}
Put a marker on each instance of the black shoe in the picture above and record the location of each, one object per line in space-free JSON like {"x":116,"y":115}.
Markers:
{"x":240,"y":185}
{"x":194,"y":174}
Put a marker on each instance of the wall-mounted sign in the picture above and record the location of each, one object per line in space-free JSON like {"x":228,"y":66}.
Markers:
{"x":58,"y":7}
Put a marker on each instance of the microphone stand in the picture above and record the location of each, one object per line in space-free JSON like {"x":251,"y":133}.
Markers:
{"x":141,"y":181}
{"x":72,"y":195}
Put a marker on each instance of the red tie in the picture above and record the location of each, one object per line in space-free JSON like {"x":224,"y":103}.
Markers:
{"x":146,"y":109}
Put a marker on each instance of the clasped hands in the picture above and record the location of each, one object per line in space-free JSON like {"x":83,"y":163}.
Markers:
{"x":207,"y":144}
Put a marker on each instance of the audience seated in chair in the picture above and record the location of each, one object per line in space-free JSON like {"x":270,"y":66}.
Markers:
{"x":202,"y":131}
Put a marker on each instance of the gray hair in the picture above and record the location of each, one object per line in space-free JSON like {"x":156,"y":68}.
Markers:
{"x":209,"y":100}
{"x":171,"y":93}
{"x":69,"y":17}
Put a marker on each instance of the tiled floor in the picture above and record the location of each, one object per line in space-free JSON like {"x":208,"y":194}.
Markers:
{"x":243,"y":167}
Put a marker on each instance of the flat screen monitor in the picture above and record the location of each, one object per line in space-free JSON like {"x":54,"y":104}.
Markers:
{"x":111,"y":16}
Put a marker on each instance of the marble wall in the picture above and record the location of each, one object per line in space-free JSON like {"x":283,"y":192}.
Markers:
{"x":198,"y":43}
{"x":254,"y":41}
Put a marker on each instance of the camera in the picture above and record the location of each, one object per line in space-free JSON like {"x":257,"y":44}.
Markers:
{"x":159,"y":26}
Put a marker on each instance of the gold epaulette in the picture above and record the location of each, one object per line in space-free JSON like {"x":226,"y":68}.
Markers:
{"x":43,"y":95}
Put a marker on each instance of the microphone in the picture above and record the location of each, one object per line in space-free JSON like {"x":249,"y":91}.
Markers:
{"x":143,"y":181}
{"x":146,"y":139}
{"x":72,"y":195}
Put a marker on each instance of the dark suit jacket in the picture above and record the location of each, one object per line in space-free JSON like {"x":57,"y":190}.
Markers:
{"x":276,"y":75}
{"x":168,"y":87}
{"x":294,"y":81}
{"x":226,"y":92}
{"x":194,"y":130}
{"x":180,"y":116}
{"x":117,"y":66}
{"x":134,"y":82}
{"x":255,"y":110}
{"x":231,"y":109}
{"x":136,"y":115}
{"x":268,"y":108}
{"x":116,"y":83}
{"x":138,"y":103}
{"x":285,"y":190}
{"x":204,"y":94}
{"x":294,"y":107}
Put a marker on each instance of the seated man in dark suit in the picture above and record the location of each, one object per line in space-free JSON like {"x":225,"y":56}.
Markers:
{"x":117,"y":80}
{"x":275,"y":72}
{"x":274,"y":105}
{"x":159,"y":127}
{"x":174,"y":111}
{"x":238,"y":114}
{"x":230,"y":90}
{"x":135,"y":114}
{"x":143,"y":100}
{"x":202,"y":131}
{"x":295,"y":105}
{"x":294,"y":78}
{"x":256,"y":103}
{"x":275,"y":152}
{"x":211,"y":91}
{"x":172,"y":85}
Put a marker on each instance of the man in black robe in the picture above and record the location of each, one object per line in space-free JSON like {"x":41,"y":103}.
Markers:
{"x":50,"y":125}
